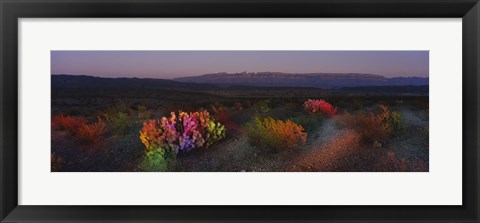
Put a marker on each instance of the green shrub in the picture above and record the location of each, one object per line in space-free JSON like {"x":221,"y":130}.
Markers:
{"x":142,"y":108}
{"x":309,"y":122}
{"x":119,"y":122}
{"x":392,"y":119}
{"x":158,"y":160}
{"x":264,"y":106}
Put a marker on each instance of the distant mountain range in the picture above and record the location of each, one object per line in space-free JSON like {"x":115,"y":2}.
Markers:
{"x":222,"y":80}
{"x":317,"y":80}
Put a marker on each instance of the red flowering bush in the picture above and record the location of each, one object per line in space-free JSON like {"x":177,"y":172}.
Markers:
{"x":79,"y":128}
{"x":319,"y":106}
{"x":67,"y":123}
{"x":91,"y":133}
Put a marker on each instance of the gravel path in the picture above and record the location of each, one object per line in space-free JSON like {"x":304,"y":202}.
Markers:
{"x":328,"y":156}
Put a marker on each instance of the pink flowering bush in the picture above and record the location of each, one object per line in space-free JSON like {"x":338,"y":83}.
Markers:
{"x":319,"y":106}
{"x":166,"y":137}
{"x":170,"y":135}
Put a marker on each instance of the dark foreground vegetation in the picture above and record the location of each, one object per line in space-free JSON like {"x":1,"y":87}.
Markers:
{"x":240,"y":129}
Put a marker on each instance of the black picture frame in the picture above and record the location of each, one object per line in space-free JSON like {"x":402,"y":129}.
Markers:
{"x":12,"y":10}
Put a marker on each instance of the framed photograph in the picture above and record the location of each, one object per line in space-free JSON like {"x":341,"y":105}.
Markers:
{"x":174,"y":111}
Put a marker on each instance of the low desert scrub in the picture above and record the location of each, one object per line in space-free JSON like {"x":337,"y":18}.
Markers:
{"x":79,"y":129}
{"x":221,"y":114}
{"x":374,"y":128}
{"x":393,"y":120}
{"x":56,"y":162}
{"x":275,"y":135}
{"x":67,"y":123}
{"x":308,"y":122}
{"x":319,"y":106}
{"x":237,"y":106}
{"x":118,"y":122}
{"x":142,"y":108}
{"x":264,"y":106}
{"x":370,"y":126}
{"x":119,"y":107}
{"x":143,"y":112}
{"x":91,"y":133}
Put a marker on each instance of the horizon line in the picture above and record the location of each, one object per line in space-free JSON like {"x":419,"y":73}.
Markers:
{"x":88,"y":75}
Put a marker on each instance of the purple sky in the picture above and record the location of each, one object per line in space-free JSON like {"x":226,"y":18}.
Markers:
{"x":170,"y":64}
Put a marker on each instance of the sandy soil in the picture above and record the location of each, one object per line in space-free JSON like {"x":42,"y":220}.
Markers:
{"x":330,"y":147}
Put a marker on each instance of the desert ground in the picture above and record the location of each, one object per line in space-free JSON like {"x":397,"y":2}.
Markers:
{"x":332,"y":143}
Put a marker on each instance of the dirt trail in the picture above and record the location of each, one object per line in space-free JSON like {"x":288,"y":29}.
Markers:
{"x":325,"y":133}
{"x":413,"y":118}
{"x":328,"y":156}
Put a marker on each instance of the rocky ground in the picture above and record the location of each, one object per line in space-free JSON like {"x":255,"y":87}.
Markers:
{"x":330,"y":147}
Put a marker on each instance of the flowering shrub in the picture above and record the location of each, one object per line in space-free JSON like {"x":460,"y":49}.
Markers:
{"x":315,"y":106}
{"x":271,"y":134}
{"x":79,"y":128}
{"x":91,"y":133}
{"x":375,"y":127}
{"x":182,"y":133}
{"x":369,"y":126}
{"x":67,"y":123}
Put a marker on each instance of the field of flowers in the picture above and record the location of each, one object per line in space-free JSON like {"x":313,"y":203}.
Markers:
{"x":243,"y":134}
